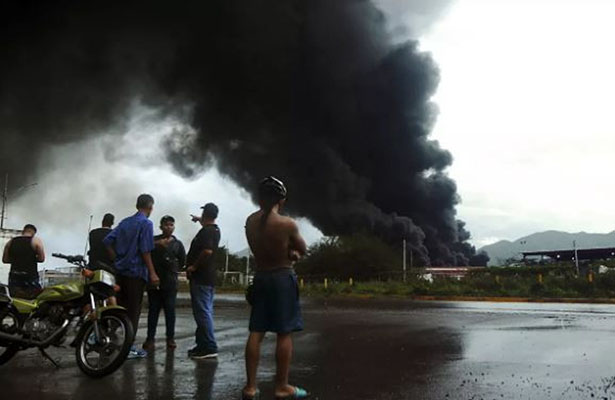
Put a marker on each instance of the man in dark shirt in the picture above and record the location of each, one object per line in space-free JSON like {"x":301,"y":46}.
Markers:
{"x":98,"y":256}
{"x":24,"y":253}
{"x":130,"y":245}
{"x":169,"y":257}
{"x":98,"y":252}
{"x":202,"y":274}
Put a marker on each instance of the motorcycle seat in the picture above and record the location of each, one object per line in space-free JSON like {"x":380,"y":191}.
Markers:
{"x":24,"y":294}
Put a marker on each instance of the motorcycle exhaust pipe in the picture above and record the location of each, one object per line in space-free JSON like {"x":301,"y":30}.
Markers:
{"x":29,"y":342}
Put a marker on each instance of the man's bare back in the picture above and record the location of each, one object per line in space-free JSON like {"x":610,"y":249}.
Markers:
{"x":275,"y":244}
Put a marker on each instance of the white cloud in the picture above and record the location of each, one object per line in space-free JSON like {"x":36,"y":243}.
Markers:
{"x":525,"y":100}
{"x":106,"y":174}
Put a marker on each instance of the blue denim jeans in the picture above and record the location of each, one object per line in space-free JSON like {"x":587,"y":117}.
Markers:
{"x":202,"y":297}
{"x":162,"y":299}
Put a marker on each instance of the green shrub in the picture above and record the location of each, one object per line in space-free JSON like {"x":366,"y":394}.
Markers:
{"x":360,"y":257}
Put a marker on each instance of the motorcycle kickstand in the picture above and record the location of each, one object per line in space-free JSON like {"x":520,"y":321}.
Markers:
{"x":47,"y":356}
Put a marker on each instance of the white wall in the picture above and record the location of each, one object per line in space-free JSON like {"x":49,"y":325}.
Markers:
{"x":4,"y":268}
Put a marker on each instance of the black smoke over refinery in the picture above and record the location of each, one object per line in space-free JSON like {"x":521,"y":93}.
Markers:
{"x":315,"y":92}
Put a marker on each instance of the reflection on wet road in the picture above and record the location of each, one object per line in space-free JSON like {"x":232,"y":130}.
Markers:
{"x":367,"y":349}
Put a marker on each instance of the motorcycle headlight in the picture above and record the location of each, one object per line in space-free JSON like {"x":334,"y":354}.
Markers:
{"x":102,"y":283}
{"x":107,"y":278}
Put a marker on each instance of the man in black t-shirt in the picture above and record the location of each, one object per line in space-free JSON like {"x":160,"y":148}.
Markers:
{"x":98,"y":256}
{"x":169,"y":257}
{"x":98,"y":251}
{"x":202,"y":274}
{"x":24,"y":252}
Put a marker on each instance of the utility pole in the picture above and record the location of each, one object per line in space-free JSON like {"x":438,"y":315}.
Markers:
{"x":4,"y":199}
{"x":403,"y":257}
{"x":226,"y":260}
{"x":576,"y":256}
{"x":247,"y":268}
{"x":225,"y":263}
{"x":87,"y":237}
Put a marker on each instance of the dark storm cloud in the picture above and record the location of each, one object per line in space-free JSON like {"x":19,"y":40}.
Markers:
{"x":315,"y":92}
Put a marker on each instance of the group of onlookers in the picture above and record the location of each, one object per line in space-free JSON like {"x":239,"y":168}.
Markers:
{"x":142,"y":262}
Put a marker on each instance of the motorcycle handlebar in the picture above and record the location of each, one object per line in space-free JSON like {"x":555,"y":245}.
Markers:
{"x":68,"y":258}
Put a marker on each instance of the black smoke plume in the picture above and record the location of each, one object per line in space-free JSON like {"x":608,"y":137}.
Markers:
{"x":315,"y":92}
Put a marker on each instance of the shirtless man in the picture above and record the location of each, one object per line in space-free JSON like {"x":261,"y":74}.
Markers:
{"x":276,"y":243}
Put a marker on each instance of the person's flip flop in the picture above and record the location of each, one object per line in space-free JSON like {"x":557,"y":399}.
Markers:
{"x":257,"y":396}
{"x":298,"y":394}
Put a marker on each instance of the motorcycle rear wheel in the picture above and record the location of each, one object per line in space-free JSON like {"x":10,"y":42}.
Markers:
{"x":6,"y":353}
{"x":8,"y":323}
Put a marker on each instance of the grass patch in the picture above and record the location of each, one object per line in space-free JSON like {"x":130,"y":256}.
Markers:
{"x":553,"y":285}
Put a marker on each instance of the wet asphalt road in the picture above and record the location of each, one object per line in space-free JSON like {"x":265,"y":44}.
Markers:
{"x":366,"y":349}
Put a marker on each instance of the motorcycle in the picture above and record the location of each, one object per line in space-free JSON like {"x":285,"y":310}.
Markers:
{"x":103,"y":332}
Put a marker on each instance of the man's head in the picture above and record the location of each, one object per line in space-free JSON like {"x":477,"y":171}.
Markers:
{"x":145,"y":204}
{"x":29,"y":230}
{"x":210,"y":213}
{"x":167,"y":225}
{"x":271,"y":192}
{"x":108,"y":220}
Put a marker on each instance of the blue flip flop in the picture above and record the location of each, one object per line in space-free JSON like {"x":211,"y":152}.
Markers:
{"x":257,"y":396}
{"x":299,"y":394}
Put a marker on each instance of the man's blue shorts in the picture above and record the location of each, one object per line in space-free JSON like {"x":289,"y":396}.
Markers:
{"x":275,"y":304}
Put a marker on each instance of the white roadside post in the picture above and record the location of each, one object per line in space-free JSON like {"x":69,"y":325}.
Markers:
{"x":404,"y":259}
{"x":225,"y":264}
{"x":576,"y":256}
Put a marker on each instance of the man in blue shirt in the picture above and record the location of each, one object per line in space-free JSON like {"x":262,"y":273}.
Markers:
{"x":130,"y":245}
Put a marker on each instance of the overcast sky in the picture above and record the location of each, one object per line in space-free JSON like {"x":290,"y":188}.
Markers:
{"x":526,"y":101}
{"x":525,"y":97}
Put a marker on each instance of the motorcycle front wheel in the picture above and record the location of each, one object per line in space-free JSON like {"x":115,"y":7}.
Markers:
{"x":97,"y":358}
{"x":9,"y":323}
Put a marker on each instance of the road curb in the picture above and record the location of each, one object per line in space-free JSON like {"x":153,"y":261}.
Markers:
{"x":492,"y":299}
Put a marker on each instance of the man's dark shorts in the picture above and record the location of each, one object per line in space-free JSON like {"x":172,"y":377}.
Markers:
{"x":24,"y":286}
{"x":275,"y":304}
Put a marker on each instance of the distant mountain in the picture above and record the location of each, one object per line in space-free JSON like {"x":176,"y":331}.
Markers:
{"x":243,"y":253}
{"x":550,"y":240}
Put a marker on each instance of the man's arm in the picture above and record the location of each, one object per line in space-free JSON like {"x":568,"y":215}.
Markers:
{"x":39,"y":249}
{"x":111,"y":253}
{"x":296,"y":241}
{"x":153,"y":277}
{"x":162,"y":242}
{"x":205,"y":254}
{"x":210,"y":242}
{"x":146,"y":245}
{"x":109,"y":242}
{"x":181,"y":255}
{"x":5,"y":255}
